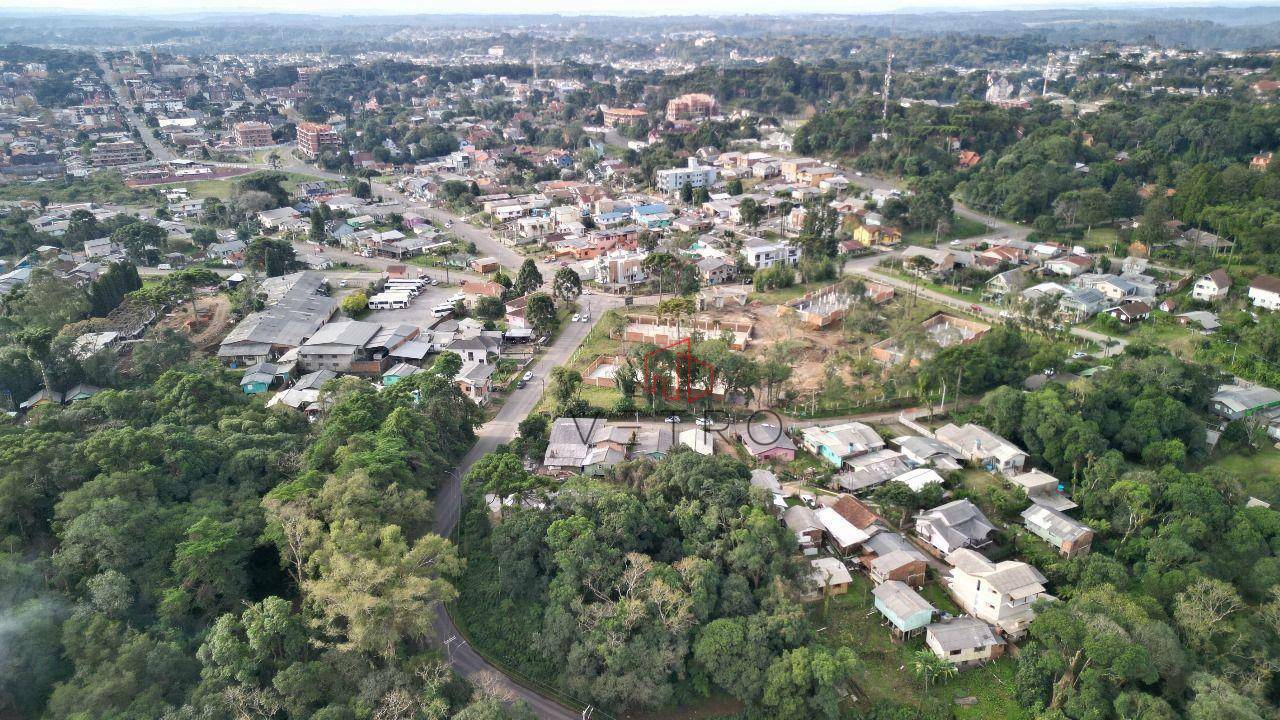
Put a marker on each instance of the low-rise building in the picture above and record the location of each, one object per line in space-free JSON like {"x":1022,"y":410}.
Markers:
{"x":827,"y":576}
{"x":1264,"y":292}
{"x":1071,"y":537}
{"x":963,"y":641}
{"x":981,"y":447}
{"x":1236,"y":402}
{"x":903,"y":607}
{"x":762,"y":254}
{"x":999,"y":593}
{"x":694,"y":175}
{"x":956,"y":525}
{"x":252,"y":134}
{"x":838,"y":443}
{"x":1212,"y":286}
{"x":802,"y":521}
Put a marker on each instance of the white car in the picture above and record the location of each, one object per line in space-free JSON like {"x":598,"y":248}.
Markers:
{"x":1079,"y":354}
{"x":586,"y":317}
{"x":342,"y":282}
{"x":527,"y":376}
{"x":702,"y":422}
{"x":673,"y":419}
{"x":576,"y":317}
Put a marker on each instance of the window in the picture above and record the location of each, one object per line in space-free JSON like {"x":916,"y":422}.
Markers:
{"x":956,"y":652}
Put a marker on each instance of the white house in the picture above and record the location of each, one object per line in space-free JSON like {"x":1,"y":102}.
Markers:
{"x":999,"y":593}
{"x":1264,"y":292}
{"x":1211,"y":287}
{"x":762,"y":254}
{"x":955,"y":525}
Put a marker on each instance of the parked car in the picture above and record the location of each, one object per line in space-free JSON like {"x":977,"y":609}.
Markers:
{"x":673,"y":419}
{"x":527,"y":376}
{"x":576,"y":317}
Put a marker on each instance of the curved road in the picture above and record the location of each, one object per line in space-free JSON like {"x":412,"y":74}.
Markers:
{"x":501,"y":429}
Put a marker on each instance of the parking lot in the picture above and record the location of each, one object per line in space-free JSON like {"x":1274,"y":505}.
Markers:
{"x":419,"y":311}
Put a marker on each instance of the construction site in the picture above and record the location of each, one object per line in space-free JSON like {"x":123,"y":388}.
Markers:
{"x":824,"y":307}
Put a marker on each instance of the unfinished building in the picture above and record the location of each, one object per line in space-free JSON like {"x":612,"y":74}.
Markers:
{"x":941,"y":331}
{"x":830,"y":304}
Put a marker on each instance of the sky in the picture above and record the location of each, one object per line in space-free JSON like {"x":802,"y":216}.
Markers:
{"x":570,"y":7}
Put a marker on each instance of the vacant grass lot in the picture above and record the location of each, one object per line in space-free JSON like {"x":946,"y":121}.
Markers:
{"x":1260,"y":472}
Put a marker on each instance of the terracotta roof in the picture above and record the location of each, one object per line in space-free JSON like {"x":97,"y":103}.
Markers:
{"x":853,"y":510}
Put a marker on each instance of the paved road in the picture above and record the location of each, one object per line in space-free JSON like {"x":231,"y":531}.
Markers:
{"x":865,"y":266}
{"x":158,"y":150}
{"x":502,"y":428}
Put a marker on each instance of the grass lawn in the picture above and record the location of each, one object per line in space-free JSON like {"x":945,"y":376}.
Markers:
{"x":101,"y":187}
{"x":1160,"y":329}
{"x":851,"y":621}
{"x":970,"y":296}
{"x":777,"y":297}
{"x":223,"y":189}
{"x":961,"y":228}
{"x":1260,"y":472}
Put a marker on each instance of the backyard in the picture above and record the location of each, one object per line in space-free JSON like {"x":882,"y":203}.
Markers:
{"x":850,"y":620}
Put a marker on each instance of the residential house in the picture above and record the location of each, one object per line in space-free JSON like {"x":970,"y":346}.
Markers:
{"x":827,"y":576}
{"x":621,"y":267}
{"x":474,"y":379}
{"x":284,"y":217}
{"x":890,"y":556}
{"x":716,"y":271}
{"x":1081,"y":304}
{"x":1211,"y":287}
{"x":1000,"y":593}
{"x":591,"y":445}
{"x":843,"y":537}
{"x":903,"y":607}
{"x":981,"y":447}
{"x":1069,"y":265}
{"x":928,"y":451}
{"x":838,"y":443}
{"x":963,"y":641}
{"x":476,"y":348}
{"x":956,"y":525}
{"x":1131,"y":312}
{"x":1043,"y":489}
{"x":768,"y":442}
{"x":1236,"y":402}
{"x":919,"y":478}
{"x":762,"y":254}
{"x":259,"y":378}
{"x":1264,"y":292}
{"x":353,"y":346}
{"x":303,"y":395}
{"x":871,"y":469}
{"x":1009,"y":282}
{"x":802,"y":521}
{"x":1070,"y":536}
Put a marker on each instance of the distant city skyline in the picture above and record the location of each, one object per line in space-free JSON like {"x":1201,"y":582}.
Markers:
{"x":588,"y":7}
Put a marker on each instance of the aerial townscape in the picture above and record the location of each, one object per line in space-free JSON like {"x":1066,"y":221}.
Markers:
{"x":707,"y":363}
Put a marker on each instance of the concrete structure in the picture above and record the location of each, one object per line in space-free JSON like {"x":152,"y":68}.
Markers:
{"x":671,"y":180}
{"x":618,"y":117}
{"x":762,"y":254}
{"x":691,"y":106}
{"x":123,"y":152}
{"x":252,"y":134}
{"x":316,"y":138}
{"x":820,"y":308}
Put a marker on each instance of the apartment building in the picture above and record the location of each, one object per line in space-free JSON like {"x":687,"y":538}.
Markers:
{"x":253,"y":134}
{"x":111,"y":154}
{"x":315,"y":138}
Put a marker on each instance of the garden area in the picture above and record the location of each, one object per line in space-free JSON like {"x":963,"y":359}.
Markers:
{"x":889,"y":673}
